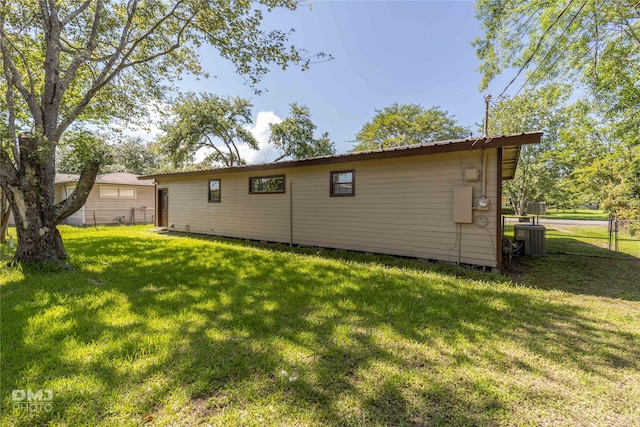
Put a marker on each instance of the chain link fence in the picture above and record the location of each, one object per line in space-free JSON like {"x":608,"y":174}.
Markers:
{"x":94,"y":217}
{"x":613,"y":237}
{"x":626,"y":237}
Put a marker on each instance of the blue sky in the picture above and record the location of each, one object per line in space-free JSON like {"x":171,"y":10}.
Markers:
{"x":385,"y":52}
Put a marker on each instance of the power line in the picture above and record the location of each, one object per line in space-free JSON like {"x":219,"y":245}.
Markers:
{"x":538,"y":46}
{"x":502,"y":94}
{"x":553,"y":47}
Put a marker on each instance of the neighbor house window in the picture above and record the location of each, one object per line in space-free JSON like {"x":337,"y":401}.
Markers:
{"x":117,"y":192}
{"x":214,"y":190}
{"x":342,"y":183}
{"x":69,"y":190}
{"x":267,"y":184}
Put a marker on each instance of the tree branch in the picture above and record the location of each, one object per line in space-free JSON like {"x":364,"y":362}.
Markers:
{"x":280,"y":158}
{"x":212,"y":145}
{"x":16,"y":79}
{"x":21,"y":55}
{"x":82,"y":54}
{"x":631,"y":32}
{"x":77,"y":199}
{"x":74,"y":14}
{"x":11,"y":111}
{"x":51,"y":95}
{"x":8,"y":171}
{"x":108,"y":73}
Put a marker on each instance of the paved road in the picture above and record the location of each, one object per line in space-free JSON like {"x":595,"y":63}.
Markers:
{"x":551,"y":221}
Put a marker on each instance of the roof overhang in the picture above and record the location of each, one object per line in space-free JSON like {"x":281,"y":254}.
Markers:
{"x":118,"y":178}
{"x":510,"y":145}
{"x":510,"y":157}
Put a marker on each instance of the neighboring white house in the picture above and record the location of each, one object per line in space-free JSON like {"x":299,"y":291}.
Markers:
{"x":115,"y":198}
{"x":438,"y":200}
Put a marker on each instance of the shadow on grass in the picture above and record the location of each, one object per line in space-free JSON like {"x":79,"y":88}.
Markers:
{"x":462,"y":271}
{"x":610,"y":277}
{"x":193,"y":332}
{"x":593,"y":246}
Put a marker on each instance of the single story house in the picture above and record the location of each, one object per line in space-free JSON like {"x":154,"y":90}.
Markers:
{"x":437,"y":200}
{"x":115,"y":198}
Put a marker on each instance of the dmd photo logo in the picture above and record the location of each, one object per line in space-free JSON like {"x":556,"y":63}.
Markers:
{"x":30,"y":401}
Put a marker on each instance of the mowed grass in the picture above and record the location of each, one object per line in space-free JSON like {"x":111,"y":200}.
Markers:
{"x":586,"y":238}
{"x":581,"y":214}
{"x":153,"y":329}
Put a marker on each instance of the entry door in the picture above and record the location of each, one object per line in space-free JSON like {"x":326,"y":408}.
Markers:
{"x":163,"y":207}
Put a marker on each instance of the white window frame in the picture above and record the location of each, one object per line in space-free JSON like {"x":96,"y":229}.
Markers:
{"x":103,"y":189}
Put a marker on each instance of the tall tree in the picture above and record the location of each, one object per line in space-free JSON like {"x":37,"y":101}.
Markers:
{"x":407,"y":124}
{"x":606,"y":169}
{"x":592,"y":45}
{"x":66,"y":64}
{"x":538,"y":176}
{"x":294,"y":136}
{"x":131,"y":155}
{"x":590,"y":41}
{"x":217,"y":124}
{"x":125,"y":154}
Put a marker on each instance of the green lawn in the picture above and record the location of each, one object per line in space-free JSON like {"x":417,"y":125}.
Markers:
{"x":584,"y":214}
{"x":169,"y":330}
{"x":587,"y":239}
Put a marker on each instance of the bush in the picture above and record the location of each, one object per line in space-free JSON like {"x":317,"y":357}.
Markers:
{"x":508,"y":210}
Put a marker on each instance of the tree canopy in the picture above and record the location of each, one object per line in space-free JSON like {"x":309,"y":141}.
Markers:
{"x":595,"y":43}
{"x":538,"y":176}
{"x":593,"y":48}
{"x":294,"y":136}
{"x":125,"y":154}
{"x":69,"y":64}
{"x":217,"y":124}
{"x":407,"y":124}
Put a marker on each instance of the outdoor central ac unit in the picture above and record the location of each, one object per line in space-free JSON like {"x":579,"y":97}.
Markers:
{"x":536,"y":208}
{"x":533,"y":237}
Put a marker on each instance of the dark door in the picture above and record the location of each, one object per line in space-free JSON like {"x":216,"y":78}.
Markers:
{"x":163,"y":207}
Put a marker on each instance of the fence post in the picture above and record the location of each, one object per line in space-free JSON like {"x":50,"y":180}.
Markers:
{"x":610,"y":232}
{"x":616,"y":233}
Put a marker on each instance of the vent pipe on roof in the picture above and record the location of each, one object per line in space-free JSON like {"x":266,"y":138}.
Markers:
{"x":487,"y":100}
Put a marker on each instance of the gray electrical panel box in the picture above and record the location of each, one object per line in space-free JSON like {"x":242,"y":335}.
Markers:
{"x":536,"y":208}
{"x":463,"y":205}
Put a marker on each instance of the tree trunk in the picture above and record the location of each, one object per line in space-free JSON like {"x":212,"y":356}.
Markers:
{"x":38,"y":238}
{"x":5,"y":212}
{"x":30,"y":192}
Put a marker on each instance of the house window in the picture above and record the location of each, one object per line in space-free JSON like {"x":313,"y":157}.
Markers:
{"x":267,"y":184}
{"x":69,"y":191}
{"x":214,"y":190}
{"x":342,"y":183}
{"x":127,"y":192}
{"x":117,"y":192}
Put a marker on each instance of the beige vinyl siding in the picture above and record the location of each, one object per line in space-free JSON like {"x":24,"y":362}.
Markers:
{"x":239,"y":214}
{"x":402,"y":206}
{"x":62,"y":191}
{"x":109,"y":210}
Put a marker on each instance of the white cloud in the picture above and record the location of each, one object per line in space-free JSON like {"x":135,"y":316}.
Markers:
{"x":261,"y":132}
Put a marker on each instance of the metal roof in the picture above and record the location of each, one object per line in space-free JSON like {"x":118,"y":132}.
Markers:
{"x":120,"y":178}
{"x":510,"y":143}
